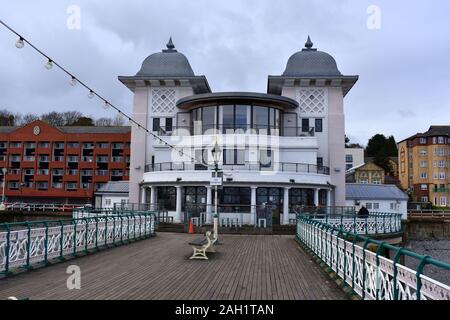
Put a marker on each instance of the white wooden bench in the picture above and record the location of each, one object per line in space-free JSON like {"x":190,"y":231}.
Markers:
{"x":202,"y":246}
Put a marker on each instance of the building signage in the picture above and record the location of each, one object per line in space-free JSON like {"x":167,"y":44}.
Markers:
{"x":216,"y":181}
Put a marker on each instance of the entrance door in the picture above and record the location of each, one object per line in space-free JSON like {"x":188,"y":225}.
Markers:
{"x":270,"y":200}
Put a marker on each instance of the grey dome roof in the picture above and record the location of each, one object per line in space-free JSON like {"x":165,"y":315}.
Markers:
{"x":168,"y":63}
{"x":310,"y":62}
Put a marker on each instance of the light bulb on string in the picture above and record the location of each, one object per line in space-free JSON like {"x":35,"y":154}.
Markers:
{"x":49,"y":64}
{"x":106,"y":105}
{"x":20,"y":44}
{"x":91,"y":94}
{"x":73,"y":81}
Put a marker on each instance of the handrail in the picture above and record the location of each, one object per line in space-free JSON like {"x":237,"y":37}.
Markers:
{"x":247,"y":166}
{"x":371,"y":275}
{"x":33,"y":243}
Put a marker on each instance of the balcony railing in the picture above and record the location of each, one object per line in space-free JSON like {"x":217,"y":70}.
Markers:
{"x":276,"y":167}
{"x":116,"y":159}
{"x":102,"y":173}
{"x":72,"y":172}
{"x":44,"y":158}
{"x":14,"y":171}
{"x":14,"y":158}
{"x":43,"y":172}
{"x":57,"y":185}
{"x":72,"y":159}
{"x":58,"y":158}
{"x":102,"y":159}
{"x":42,"y":185}
{"x":29,"y":158}
{"x":287,"y":131}
{"x":116,"y":173}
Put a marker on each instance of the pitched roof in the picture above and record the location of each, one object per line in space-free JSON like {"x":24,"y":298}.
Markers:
{"x":79,"y":129}
{"x":358,"y":191}
{"x":114,"y":187}
{"x":432,"y":131}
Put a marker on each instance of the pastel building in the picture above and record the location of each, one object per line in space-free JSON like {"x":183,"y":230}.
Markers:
{"x":278,"y":149}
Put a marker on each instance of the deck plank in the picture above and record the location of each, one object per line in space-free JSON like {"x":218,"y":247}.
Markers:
{"x":267,"y":267}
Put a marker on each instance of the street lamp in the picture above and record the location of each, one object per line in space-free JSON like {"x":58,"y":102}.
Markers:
{"x":2,"y":205}
{"x":216,"y":152}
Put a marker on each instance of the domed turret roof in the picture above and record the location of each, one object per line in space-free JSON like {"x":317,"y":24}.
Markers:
{"x":168,"y":63}
{"x":310,"y":62}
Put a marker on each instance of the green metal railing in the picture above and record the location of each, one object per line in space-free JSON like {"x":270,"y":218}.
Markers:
{"x":25,"y":245}
{"x":367,"y":272}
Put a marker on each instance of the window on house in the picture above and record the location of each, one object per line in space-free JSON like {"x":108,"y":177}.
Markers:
{"x":348,"y":158}
{"x":441,"y":163}
{"x":234,"y":156}
{"x":376,"y":206}
{"x":424,"y":199}
{"x":305,"y":125}
{"x":319,"y":162}
{"x":423,"y":175}
{"x":318,"y":125}
{"x":441,"y":175}
{"x":423,"y":140}
{"x":169,"y":124}
{"x":423,"y":152}
{"x":423,"y":187}
{"x":108,"y":202}
{"x":369,"y":206}
{"x":423,"y":164}
{"x":441,"y":140}
{"x":156,"y":124}
{"x":443,"y":201}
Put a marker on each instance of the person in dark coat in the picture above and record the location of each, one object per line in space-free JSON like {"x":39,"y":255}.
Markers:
{"x":363,"y":212}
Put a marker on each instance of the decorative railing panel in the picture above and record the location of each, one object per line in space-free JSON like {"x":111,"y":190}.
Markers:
{"x":371,"y":275}
{"x":375,"y":223}
{"x":23,"y":245}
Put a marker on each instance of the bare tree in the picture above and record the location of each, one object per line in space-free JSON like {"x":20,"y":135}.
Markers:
{"x":6,"y":118}
{"x":28,"y":118}
{"x":53,"y":118}
{"x":118,"y":120}
{"x":71,"y":117}
{"x":103,"y":122}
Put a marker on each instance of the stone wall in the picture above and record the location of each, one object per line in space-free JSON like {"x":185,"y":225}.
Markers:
{"x":426,"y":229}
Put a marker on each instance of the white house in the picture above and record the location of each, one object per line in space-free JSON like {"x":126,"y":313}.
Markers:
{"x":111,"y":193}
{"x":281,"y":148}
{"x":385,"y":198}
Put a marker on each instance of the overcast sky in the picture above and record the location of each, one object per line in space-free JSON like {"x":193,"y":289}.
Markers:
{"x":404,"y":66}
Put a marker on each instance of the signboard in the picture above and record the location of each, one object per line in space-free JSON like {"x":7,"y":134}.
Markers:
{"x":216,"y":181}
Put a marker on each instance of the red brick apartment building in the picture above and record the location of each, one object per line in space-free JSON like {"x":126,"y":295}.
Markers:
{"x":46,"y":164}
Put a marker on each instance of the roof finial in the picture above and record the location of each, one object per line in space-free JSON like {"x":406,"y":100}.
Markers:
{"x":170,"y":44}
{"x":308,"y":43}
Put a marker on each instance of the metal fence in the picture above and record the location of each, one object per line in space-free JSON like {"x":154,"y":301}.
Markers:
{"x":28,"y":244}
{"x":369,"y":274}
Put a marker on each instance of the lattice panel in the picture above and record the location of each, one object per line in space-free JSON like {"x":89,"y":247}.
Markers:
{"x":312,"y":101}
{"x":163,"y":100}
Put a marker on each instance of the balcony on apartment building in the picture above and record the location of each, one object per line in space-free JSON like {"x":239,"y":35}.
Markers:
{"x":71,"y":186}
{"x":42,"y":185}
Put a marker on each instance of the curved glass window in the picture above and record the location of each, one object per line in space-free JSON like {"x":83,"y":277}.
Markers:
{"x":231,"y":119}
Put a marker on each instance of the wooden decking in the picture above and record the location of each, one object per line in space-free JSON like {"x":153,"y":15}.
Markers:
{"x":245,"y":267}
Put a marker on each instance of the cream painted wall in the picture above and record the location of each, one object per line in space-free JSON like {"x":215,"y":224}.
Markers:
{"x":138,"y":142}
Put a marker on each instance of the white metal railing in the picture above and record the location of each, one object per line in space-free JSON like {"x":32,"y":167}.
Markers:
{"x":23,"y":245}
{"x":371,"y":275}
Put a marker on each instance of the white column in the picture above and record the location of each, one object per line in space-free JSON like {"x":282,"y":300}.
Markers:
{"x":208,"y":204}
{"x":153,"y":198}
{"x":253,"y":206}
{"x":328,"y":197}
{"x":143,"y":194}
{"x":316,"y":197}
{"x":179,"y":214}
{"x":286,"y":206}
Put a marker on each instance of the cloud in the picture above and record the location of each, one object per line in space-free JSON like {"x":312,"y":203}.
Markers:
{"x":236,"y":44}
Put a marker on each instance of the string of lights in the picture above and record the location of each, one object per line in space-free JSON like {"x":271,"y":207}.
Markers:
{"x":73,"y":80}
